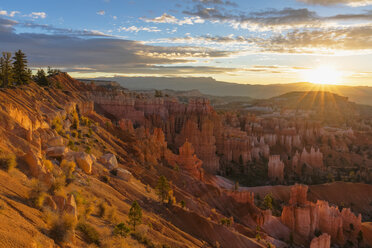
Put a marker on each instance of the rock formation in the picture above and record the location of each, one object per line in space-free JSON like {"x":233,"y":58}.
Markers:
{"x":323,"y":241}
{"x":189,"y":162}
{"x":304,"y":217}
{"x":276,"y":168}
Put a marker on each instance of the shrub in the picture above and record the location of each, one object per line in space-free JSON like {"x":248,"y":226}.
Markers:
{"x":57,"y":125}
{"x":74,"y":133}
{"x":89,"y":209}
{"x":90,"y":234}
{"x":37,"y":193}
{"x":121,"y":229}
{"x":88,"y":150}
{"x":112,"y":214}
{"x":105,"y":179}
{"x":62,"y":229}
{"x":48,"y":164}
{"x":102,"y":209}
{"x":68,"y":167}
{"x":7,"y":161}
{"x":75,"y":120}
{"x":86,"y":121}
{"x":143,"y":240}
{"x":58,"y":184}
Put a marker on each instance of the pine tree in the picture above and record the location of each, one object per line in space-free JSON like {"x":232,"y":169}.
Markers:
{"x":41,"y":79}
{"x":6,"y":72}
{"x":163,"y":188}
{"x":135,"y":215}
{"x":20,"y":72}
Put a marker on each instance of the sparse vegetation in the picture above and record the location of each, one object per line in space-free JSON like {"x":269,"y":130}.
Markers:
{"x":162,"y":188}
{"x":68,"y":167}
{"x":90,"y":234}
{"x":121,"y":229}
{"x":102,"y":209}
{"x":62,"y":228}
{"x":135,"y":215}
{"x":57,"y":125}
{"x":38,"y":193}
{"x":7,"y":161}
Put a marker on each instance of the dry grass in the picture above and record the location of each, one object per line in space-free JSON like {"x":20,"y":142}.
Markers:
{"x":62,"y":228}
{"x":7,"y":161}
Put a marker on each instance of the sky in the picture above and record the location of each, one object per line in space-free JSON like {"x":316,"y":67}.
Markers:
{"x":241,"y":41}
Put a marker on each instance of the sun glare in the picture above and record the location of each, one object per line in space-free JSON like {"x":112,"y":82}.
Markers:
{"x":324,"y":74}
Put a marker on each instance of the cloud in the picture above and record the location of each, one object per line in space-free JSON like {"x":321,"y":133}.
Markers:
{"x":9,"y":14}
{"x":340,"y":40}
{"x":98,"y":54}
{"x":274,"y":19}
{"x":353,"y":3}
{"x":321,"y":41}
{"x":101,"y":12}
{"x":37,"y":15}
{"x":64,"y":31}
{"x":138,"y":29}
{"x":166,"y":18}
{"x":216,"y":2}
{"x":269,"y":19}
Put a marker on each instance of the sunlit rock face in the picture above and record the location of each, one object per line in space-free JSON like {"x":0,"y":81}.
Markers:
{"x":304,"y":218}
{"x":323,"y":241}
{"x":189,"y":162}
{"x":301,"y":216}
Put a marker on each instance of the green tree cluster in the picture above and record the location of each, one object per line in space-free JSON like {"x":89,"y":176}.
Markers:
{"x":13,"y":70}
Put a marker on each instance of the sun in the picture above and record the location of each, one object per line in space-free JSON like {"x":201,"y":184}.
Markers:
{"x":324,"y":74}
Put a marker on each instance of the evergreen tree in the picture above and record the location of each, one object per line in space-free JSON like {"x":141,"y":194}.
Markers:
{"x":52,"y":72}
{"x":268,"y":201}
{"x":21,"y":74}
{"x":6,"y":72}
{"x":163,"y":188}
{"x":135,"y":215}
{"x":41,"y":79}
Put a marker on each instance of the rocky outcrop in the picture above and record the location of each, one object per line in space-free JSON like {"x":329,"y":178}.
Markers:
{"x":304,"y":217}
{"x":301,"y":216}
{"x":123,"y":174}
{"x":276,"y":168}
{"x":189,"y":162}
{"x":314,"y":158}
{"x":323,"y":241}
{"x":84,"y":161}
{"x":109,"y":160}
{"x":57,"y":152}
{"x":203,"y":141}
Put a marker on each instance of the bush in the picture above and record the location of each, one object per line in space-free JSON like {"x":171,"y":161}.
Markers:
{"x":58,"y":184}
{"x":7,"y":161}
{"x":75,"y":120}
{"x":121,"y":229}
{"x":74,"y":133}
{"x":90,"y":234}
{"x":48,"y":164}
{"x":86,"y":122}
{"x":57,"y":125}
{"x":143,"y":240}
{"x":88,"y":150}
{"x":38,"y":193}
{"x":102,"y":209}
{"x":68,"y":167}
{"x":62,"y":229}
{"x":89,"y":209}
